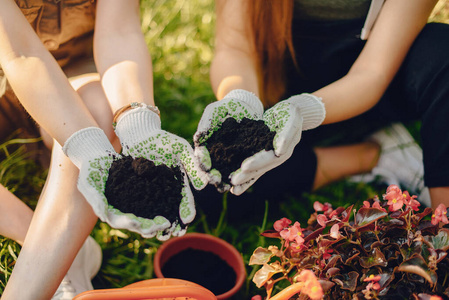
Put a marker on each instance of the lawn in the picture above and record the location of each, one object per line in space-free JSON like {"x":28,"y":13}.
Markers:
{"x":180,"y":38}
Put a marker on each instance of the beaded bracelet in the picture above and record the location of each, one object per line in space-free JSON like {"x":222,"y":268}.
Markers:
{"x":131,"y":106}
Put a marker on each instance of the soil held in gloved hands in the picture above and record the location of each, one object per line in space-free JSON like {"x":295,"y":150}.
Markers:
{"x":140,"y":187}
{"x":230,"y":145}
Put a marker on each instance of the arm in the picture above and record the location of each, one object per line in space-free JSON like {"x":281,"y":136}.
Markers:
{"x":233,"y":66}
{"x":398,"y":25}
{"x":37,"y":79}
{"x":126,"y":71}
{"x":396,"y":28}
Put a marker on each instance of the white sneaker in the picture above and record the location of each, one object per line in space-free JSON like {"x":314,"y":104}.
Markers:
{"x":86,"y":265}
{"x":400,"y":162}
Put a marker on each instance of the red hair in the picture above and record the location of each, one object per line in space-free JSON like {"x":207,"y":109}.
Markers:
{"x":270,"y":28}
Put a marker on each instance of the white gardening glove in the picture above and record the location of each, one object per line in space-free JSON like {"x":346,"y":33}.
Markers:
{"x":288,"y":119}
{"x":237,"y":104}
{"x":140,"y":133}
{"x":90,"y":150}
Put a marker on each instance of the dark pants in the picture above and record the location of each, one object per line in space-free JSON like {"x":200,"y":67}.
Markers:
{"x":419,"y":91}
{"x":325,"y":52}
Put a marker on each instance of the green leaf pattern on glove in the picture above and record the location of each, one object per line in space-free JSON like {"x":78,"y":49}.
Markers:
{"x":229,"y":109}
{"x":276,"y":119}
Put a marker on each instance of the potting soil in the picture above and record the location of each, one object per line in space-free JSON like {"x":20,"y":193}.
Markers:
{"x":234,"y":142}
{"x":202,"y":267}
{"x":140,"y":187}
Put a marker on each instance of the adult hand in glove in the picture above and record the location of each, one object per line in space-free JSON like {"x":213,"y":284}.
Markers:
{"x":237,"y":104}
{"x":140,"y":134}
{"x":288,"y":119}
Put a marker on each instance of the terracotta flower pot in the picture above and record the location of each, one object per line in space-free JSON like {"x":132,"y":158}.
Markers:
{"x":158,"y":288}
{"x":207,"y":243}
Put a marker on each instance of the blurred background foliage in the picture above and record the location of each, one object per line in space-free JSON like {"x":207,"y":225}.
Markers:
{"x":179,"y":34}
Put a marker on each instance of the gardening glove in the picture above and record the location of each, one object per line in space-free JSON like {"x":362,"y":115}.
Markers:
{"x":140,"y":134}
{"x":288,"y":119}
{"x":90,"y":150}
{"x":237,"y":104}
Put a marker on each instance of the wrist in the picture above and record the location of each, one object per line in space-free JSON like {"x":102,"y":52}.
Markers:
{"x":312,"y":109}
{"x":133,"y":105}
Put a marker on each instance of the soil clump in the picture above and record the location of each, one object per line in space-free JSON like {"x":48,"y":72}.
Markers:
{"x":230,"y":145}
{"x":140,"y":187}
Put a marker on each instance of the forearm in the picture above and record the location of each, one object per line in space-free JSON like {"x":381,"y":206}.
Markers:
{"x":231,"y":70}
{"x":126,"y":71}
{"x":37,"y":79}
{"x":352,"y":95}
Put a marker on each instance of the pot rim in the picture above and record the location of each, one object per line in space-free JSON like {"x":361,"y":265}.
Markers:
{"x":206,"y":242}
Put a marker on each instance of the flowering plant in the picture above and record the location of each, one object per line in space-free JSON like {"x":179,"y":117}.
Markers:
{"x":384,"y":250}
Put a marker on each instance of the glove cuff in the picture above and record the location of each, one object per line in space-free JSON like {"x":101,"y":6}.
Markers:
{"x":136,"y":124}
{"x":87,"y":143}
{"x":312,"y":110}
{"x":250,"y":99}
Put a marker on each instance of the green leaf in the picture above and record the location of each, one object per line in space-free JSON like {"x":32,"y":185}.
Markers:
{"x":347,"y":281}
{"x":376,"y":259}
{"x":265,"y":273}
{"x":366,"y":216}
{"x":260,"y":256}
{"x":418,"y":266}
{"x":441,"y":240}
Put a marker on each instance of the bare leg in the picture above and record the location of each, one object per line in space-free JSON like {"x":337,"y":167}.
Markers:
{"x":62,"y":221}
{"x":439,"y":195}
{"x":335,"y":163}
{"x":15,"y":216}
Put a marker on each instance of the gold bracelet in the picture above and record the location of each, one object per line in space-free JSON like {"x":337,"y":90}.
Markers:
{"x":131,"y":106}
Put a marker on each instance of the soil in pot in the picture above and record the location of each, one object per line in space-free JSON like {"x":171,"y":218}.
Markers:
{"x":140,"y":187}
{"x":202,"y":267}
{"x":234,"y":142}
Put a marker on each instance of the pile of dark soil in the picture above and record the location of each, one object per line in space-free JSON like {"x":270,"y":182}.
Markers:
{"x":230,"y":145}
{"x":140,"y":187}
{"x":202,"y":267}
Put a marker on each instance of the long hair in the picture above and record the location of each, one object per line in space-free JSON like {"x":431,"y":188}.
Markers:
{"x":270,"y":26}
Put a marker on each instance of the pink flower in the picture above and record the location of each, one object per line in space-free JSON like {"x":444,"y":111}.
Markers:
{"x":326,"y":207}
{"x":281,"y":224}
{"x":292,"y":233}
{"x":376,"y":204}
{"x":440,"y":215}
{"x":256,"y":297}
{"x":335,"y":231}
{"x":327,"y":253}
{"x":395,"y":197}
{"x":297,"y":246}
{"x":373,"y":282}
{"x":322,"y":219}
{"x":410,"y":201}
{"x":312,"y":286}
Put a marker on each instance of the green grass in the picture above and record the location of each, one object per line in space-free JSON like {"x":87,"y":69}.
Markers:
{"x":179,"y":34}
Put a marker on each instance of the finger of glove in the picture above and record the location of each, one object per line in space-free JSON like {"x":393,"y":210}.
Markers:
{"x":187,"y":211}
{"x":242,"y":177}
{"x":202,"y":156}
{"x":241,"y":188}
{"x":184,"y":152}
{"x":286,"y":120}
{"x":258,"y":161}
